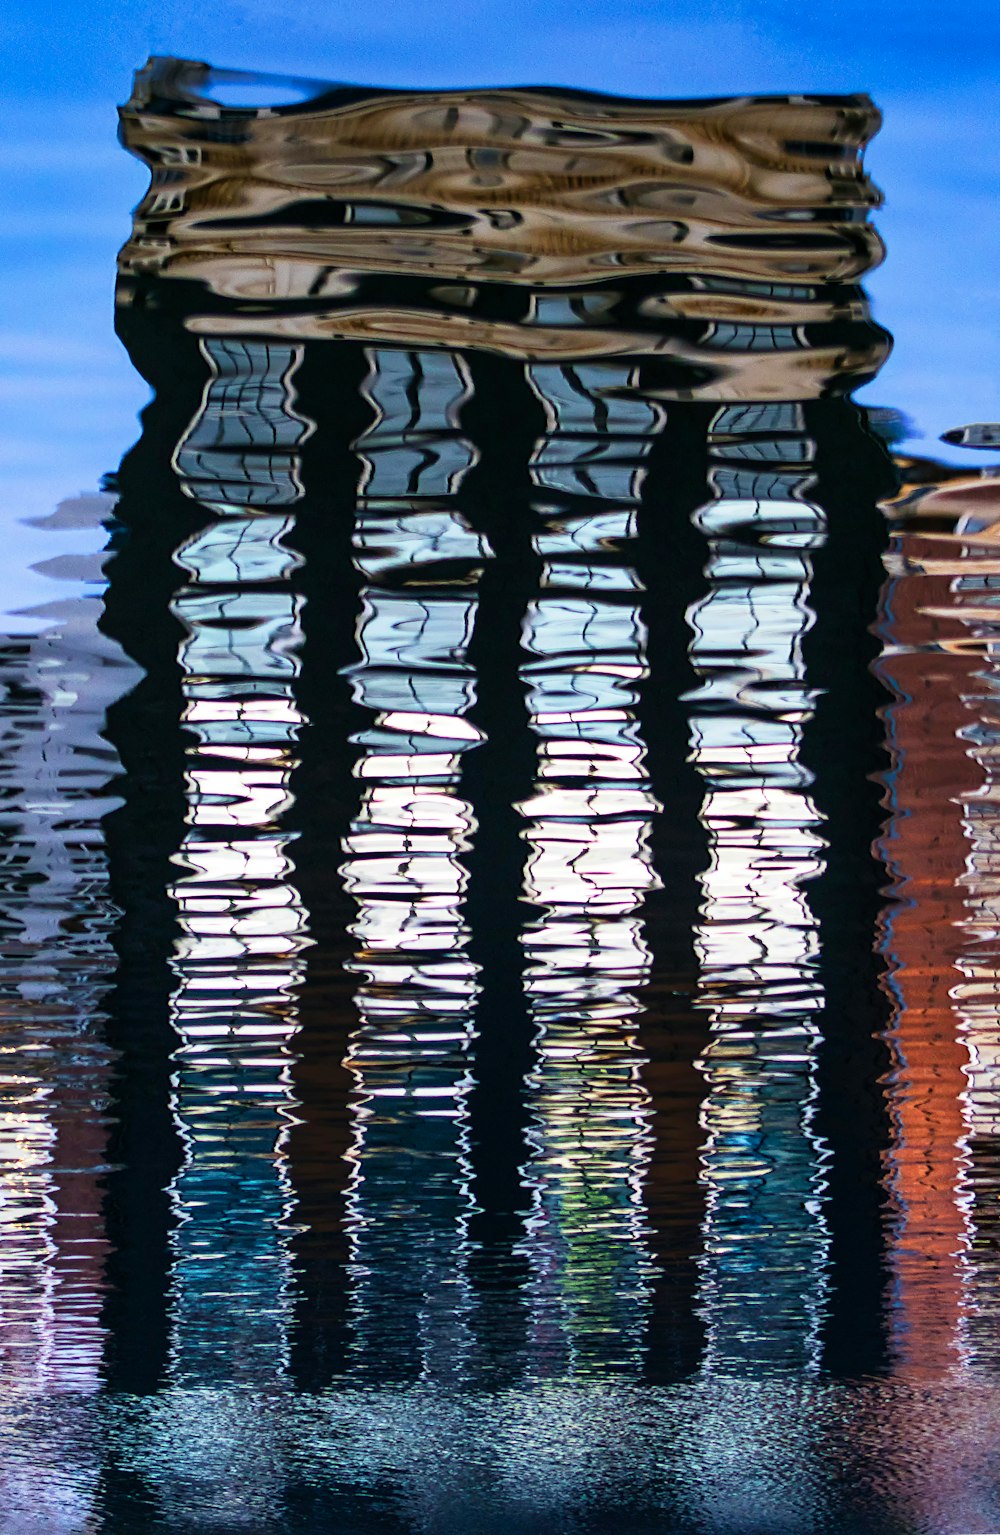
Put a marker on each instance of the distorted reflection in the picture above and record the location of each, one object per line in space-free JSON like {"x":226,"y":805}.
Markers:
{"x":241,"y":926}
{"x":479,"y":1053}
{"x":764,"y":1267}
{"x":411,"y":224}
{"x":410,"y":1057}
{"x":56,"y":772}
{"x":941,"y":639}
{"x":587,"y":871}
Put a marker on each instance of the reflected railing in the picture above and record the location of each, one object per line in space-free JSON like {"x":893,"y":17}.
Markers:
{"x":764,"y":1265}
{"x":587,"y":871}
{"x":410,"y":1057}
{"x":241,"y":927}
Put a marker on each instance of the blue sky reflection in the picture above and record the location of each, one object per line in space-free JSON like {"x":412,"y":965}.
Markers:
{"x":68,"y":393}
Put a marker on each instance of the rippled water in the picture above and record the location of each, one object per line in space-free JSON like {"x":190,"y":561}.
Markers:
{"x":500,"y":894}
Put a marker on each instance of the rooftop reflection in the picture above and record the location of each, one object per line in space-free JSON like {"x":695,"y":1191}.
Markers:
{"x":723,"y":240}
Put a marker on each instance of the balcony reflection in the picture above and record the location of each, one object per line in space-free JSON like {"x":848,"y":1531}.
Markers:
{"x":764,"y":1268}
{"x":587,"y":872}
{"x":409,"y":1200}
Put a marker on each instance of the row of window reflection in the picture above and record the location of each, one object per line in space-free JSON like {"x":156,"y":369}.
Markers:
{"x":587,"y":872}
{"x":239,"y":961}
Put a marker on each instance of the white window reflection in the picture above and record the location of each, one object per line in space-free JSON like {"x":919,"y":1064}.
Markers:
{"x":599,"y":432}
{"x":586,"y":874}
{"x":410,"y":1056}
{"x":238,"y":960}
{"x":237,"y":451}
{"x":414,"y":447}
{"x":220,"y":555}
{"x":765,"y":1247}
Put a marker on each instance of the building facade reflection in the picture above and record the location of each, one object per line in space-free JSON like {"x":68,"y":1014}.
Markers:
{"x":417,"y":1001}
{"x":938,"y":624}
{"x":241,"y":926}
{"x":765,"y":1261}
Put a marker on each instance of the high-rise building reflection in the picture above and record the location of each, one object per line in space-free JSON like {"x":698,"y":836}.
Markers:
{"x":411,"y":1042}
{"x":940,"y":633}
{"x":926,"y":853}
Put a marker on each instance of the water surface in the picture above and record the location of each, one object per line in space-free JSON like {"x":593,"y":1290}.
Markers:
{"x":498,"y":917}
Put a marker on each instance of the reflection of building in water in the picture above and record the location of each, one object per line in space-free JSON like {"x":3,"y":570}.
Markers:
{"x":57,"y":960}
{"x":927,"y":854}
{"x":241,"y":925}
{"x":588,"y":871}
{"x":723,"y":238}
{"x":489,"y":515}
{"x":941,"y":939}
{"x":764,"y":1265}
{"x":410,"y":1057}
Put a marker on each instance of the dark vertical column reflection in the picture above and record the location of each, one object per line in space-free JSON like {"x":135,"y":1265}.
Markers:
{"x":843,"y":749}
{"x":504,"y":419}
{"x":144,"y":728}
{"x":669,"y":556}
{"x":325,"y":798}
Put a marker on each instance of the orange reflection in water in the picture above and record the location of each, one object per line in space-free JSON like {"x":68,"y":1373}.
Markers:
{"x":939,"y":936}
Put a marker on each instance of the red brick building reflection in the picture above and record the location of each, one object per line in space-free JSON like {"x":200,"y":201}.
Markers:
{"x":926,"y":852}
